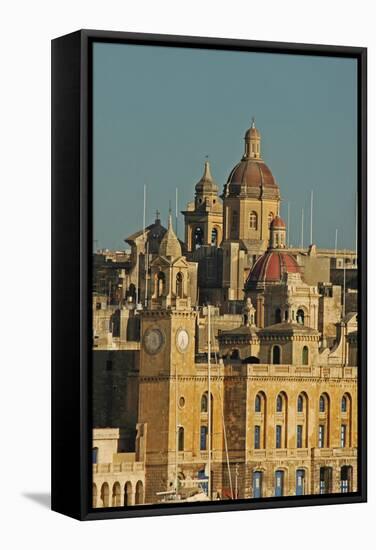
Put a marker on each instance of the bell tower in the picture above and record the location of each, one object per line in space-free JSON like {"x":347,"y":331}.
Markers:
{"x":174,"y":279}
{"x":203,"y":217}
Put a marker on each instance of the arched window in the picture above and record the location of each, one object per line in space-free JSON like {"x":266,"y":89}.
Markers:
{"x":346,"y":435}
{"x":181,"y":439}
{"x":305,"y":355}
{"x":260,"y":429}
{"x":139,"y":493}
{"x":105,"y":495}
{"x":270,"y":218}
{"x":128,"y":494}
{"x":95,"y":455}
{"x":279,"y":403}
{"x":160,"y":284}
{"x":214,"y":237}
{"x":234,"y":354}
{"x":278,"y":315}
{"x":300,"y":404}
{"x":276,"y":355}
{"x":258,"y":404}
{"x":180,"y":285}
{"x":204,"y":403}
{"x":198,"y":237}
{"x":95,"y":496}
{"x":323,"y":429}
{"x":344,"y":404}
{"x":116,"y":491}
{"x":302,"y":427}
{"x":253,"y":220}
{"x":322,"y":404}
{"x":300,"y":317}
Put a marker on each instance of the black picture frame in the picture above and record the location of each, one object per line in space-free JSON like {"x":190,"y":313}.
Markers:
{"x":71,"y":271}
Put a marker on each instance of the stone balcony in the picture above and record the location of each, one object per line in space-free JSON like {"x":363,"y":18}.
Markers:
{"x":112,"y":468}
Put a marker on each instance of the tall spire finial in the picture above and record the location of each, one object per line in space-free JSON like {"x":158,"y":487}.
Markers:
{"x":169,"y":216}
{"x":253,"y":122}
{"x":157,"y":214}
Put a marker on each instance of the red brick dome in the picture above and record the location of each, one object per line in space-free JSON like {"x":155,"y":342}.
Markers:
{"x":271,"y":267}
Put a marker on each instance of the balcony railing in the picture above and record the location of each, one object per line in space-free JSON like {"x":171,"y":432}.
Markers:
{"x":111,"y":468}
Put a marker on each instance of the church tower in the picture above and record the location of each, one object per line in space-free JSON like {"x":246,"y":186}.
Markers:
{"x":167,"y":359}
{"x":203,"y":217}
{"x":251,"y":200}
{"x":173,"y":278}
{"x":251,"y":197}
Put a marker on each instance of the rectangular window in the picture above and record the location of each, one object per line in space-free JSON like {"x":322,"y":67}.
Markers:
{"x":203,"y":438}
{"x":299,"y":437}
{"x":278,"y":490}
{"x":257,"y":437}
{"x":343,"y":435}
{"x":257,"y":485}
{"x":321,"y":436}
{"x":278,"y":437}
{"x":299,"y":490}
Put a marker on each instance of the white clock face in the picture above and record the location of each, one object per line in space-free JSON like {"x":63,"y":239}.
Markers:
{"x":182,"y":339}
{"x":153,"y":340}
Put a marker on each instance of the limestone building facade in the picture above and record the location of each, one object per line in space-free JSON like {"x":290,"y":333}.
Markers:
{"x":226,"y":366}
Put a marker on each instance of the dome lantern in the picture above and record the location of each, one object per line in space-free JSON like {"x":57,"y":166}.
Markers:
{"x":252,"y":138}
{"x":277,"y":233}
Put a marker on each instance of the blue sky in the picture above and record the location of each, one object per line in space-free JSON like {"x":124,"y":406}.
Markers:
{"x":158,"y":111}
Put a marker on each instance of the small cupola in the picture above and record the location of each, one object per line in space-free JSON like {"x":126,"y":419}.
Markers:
{"x":277,"y":233}
{"x":252,"y":138}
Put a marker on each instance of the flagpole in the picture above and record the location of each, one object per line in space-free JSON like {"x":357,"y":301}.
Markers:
{"x":302,"y":231}
{"x":311,"y":218}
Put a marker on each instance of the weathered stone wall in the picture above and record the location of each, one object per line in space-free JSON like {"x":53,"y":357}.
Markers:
{"x":115,"y":389}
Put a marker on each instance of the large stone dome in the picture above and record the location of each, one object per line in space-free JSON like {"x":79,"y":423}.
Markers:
{"x":251,"y":175}
{"x":271,"y":268}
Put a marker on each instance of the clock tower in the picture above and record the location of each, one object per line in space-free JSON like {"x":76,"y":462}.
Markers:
{"x":167,"y":365}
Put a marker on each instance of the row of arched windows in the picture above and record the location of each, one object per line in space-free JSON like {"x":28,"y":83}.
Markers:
{"x":198,"y":237}
{"x":102,"y":500}
{"x":302,"y":408}
{"x":299,"y":316}
{"x":276,"y":355}
{"x":204,"y":431}
{"x":160,"y":284}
